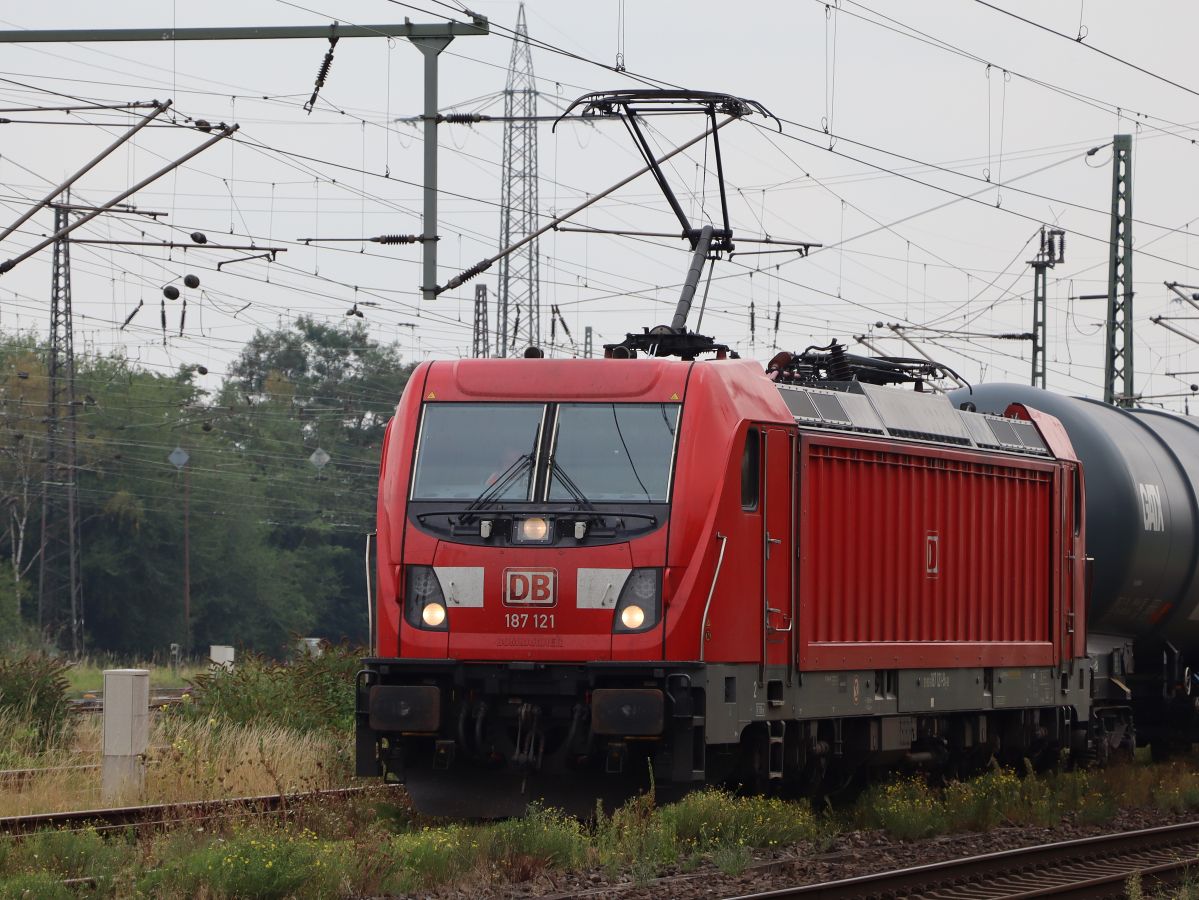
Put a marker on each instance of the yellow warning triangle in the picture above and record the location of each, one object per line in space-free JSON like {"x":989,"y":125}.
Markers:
{"x":431,"y":396}
{"x":674,"y":396}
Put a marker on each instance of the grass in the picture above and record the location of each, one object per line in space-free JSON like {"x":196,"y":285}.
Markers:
{"x":365,"y":847}
{"x":913,"y":808}
{"x":87,"y":675}
{"x":310,"y":693}
{"x":267,"y":729}
{"x":186,"y":761}
{"x":263,"y":728}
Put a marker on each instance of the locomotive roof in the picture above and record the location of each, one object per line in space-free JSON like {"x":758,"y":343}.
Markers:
{"x":854,"y":407}
{"x":884,"y":411}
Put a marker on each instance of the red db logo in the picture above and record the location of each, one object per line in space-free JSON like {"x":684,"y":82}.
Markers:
{"x":530,"y":587}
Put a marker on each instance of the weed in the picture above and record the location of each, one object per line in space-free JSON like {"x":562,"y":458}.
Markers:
{"x":33,"y":694}
{"x":544,"y":837}
{"x":261,"y":862}
{"x":309,"y":694}
{"x":907,"y":809}
{"x":516,"y":849}
{"x":42,"y":885}
{"x":198,"y":760}
{"x":636,"y":836}
{"x":713,"y":818}
{"x":187,"y":760}
{"x":70,"y":854}
{"x":433,"y":856}
{"x":731,"y":859}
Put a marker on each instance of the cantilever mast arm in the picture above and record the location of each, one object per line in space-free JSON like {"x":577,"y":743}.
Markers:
{"x":8,"y":264}
{"x":480,"y":267}
{"x":87,"y":167}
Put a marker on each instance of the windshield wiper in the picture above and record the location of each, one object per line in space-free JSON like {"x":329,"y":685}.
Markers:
{"x":574,"y":490}
{"x":492,"y":493}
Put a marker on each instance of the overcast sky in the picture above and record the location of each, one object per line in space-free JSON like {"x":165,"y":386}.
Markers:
{"x":955,"y":131}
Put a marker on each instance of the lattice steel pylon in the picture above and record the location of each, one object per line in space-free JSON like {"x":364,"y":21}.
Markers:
{"x":519,"y":279}
{"x":481,"y":342}
{"x":1118,"y":371}
{"x":60,"y":583}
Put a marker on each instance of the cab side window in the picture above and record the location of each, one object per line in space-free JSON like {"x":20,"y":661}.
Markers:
{"x":751,"y":470}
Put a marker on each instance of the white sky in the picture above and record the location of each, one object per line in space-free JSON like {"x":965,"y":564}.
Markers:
{"x":960,"y":268}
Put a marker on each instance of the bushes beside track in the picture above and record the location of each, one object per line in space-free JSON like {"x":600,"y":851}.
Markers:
{"x":307,"y":694}
{"x":34,"y":709}
{"x":912,"y":808}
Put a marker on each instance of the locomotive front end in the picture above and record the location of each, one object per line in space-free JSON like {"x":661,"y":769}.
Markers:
{"x":524,"y":510}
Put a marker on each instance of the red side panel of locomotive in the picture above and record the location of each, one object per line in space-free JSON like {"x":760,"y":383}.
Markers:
{"x":915,"y":556}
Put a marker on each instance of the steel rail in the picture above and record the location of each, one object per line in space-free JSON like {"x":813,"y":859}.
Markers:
{"x":174,"y":813}
{"x":1086,"y":867}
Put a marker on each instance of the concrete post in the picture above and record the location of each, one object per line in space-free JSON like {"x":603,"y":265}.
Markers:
{"x":126,"y":732}
{"x":220,"y":656}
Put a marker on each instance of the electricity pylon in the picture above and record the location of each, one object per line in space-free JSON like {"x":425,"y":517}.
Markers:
{"x":519,"y":303}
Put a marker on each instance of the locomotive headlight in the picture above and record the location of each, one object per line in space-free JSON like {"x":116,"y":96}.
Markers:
{"x":433,"y":615}
{"x":533,"y":530}
{"x":632,"y":617}
{"x":424,"y":602}
{"x":639,"y":607}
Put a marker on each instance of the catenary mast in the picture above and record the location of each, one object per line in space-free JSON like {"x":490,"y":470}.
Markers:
{"x":519,"y":305}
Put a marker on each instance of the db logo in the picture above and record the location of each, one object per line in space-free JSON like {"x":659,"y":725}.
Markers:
{"x":530,"y":587}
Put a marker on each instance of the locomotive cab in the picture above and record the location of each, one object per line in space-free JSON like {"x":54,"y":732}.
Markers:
{"x":525,"y":583}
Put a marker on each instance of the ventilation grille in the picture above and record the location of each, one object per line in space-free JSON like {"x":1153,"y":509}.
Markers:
{"x":800,"y":404}
{"x":1028,"y":435}
{"x":831,"y":409}
{"x":902,"y":414}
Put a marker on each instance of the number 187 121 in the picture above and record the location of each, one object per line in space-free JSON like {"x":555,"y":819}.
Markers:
{"x":529,"y":620}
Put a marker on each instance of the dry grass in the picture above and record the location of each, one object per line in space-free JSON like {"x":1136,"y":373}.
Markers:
{"x":186,"y":761}
{"x":19,"y":745}
{"x":195,"y":761}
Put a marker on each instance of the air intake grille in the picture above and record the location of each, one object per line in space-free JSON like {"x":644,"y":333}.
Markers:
{"x":1004,"y":433}
{"x":1028,"y":436}
{"x":830,"y":408}
{"x":800,"y":404}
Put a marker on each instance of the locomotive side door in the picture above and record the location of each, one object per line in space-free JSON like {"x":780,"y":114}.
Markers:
{"x":778,"y":547}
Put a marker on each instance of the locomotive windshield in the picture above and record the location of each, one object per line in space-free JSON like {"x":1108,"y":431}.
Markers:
{"x":613,"y":451}
{"x":598,"y":452}
{"x":467,"y":448}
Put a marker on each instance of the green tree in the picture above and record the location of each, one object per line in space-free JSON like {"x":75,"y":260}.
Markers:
{"x":298,"y":389}
{"x":22,"y":445}
{"x":275,"y":543}
{"x":132,"y":497}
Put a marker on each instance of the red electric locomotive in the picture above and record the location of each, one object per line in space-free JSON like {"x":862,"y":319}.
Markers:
{"x":591,"y":569}
{"x":594,"y":570}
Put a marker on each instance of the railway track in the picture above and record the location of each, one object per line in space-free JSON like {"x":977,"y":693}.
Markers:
{"x":93,"y":701}
{"x":1093,"y":867}
{"x":167,"y":814}
{"x":16,"y":778}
